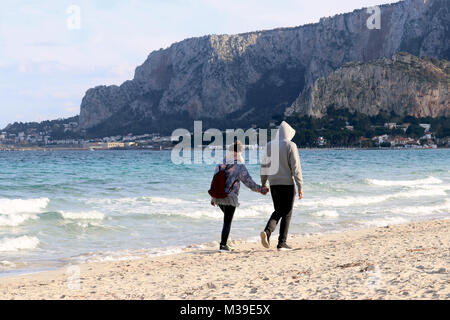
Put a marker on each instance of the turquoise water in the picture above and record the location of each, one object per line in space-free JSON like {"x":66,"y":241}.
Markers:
{"x":65,"y":207}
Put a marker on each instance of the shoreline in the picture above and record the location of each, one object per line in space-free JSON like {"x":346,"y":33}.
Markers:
{"x":314,"y":270}
{"x":170,"y":149}
{"x":155,"y":252}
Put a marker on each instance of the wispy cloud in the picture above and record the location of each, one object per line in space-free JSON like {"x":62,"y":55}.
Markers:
{"x":47,"y":44}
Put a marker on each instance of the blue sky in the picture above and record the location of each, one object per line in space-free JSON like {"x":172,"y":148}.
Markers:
{"x":46,"y":67}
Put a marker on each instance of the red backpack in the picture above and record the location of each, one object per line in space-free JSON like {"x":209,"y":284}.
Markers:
{"x":217,"y":189}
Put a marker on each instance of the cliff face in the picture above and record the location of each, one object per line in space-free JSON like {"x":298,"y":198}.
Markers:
{"x":250,"y":77}
{"x":404,"y":84}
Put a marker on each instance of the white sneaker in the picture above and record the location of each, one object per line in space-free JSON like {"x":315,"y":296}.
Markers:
{"x":284,"y":247}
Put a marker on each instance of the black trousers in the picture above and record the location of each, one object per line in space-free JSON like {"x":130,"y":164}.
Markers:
{"x":228,"y":213}
{"x":283,"y":201}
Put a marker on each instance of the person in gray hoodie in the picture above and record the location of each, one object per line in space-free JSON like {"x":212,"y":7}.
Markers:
{"x":281,"y":167}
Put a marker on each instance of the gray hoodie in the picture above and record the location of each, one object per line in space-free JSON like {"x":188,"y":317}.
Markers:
{"x":289,"y":168}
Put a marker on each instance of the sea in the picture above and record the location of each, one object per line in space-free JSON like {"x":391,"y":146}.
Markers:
{"x":63,"y":208}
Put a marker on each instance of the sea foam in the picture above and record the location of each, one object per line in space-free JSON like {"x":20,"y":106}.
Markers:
{"x":214,"y":212}
{"x":137,"y":200}
{"x":12,"y":206}
{"x":83,"y":215}
{"x":347,"y":201}
{"x":19,"y":243}
{"x":13,"y":220}
{"x":423,"y":210}
{"x":14,"y":212}
{"x":404,"y":183}
{"x":387,"y":221}
{"x":124,"y":255}
{"x":325,"y":213}
{"x":4,"y":265}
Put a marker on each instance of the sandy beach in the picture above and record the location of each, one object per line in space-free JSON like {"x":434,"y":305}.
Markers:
{"x":409,"y":261}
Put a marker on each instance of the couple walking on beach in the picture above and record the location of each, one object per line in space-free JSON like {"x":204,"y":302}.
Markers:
{"x":282,"y":185}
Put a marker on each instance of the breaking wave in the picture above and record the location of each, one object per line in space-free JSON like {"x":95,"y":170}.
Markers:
{"x":83,"y":215}
{"x":348,"y":201}
{"x":14,"y":212}
{"x":12,"y":206}
{"x":404,"y":183}
{"x":325,"y":213}
{"x":19,"y":243}
{"x":423,"y":210}
{"x":13,"y":220}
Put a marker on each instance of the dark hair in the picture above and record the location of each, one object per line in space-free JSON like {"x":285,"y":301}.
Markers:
{"x":236,"y":147}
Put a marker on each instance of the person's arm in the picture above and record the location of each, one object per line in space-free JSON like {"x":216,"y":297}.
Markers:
{"x":295,"y":165}
{"x":264,"y":180}
{"x":245,"y":177}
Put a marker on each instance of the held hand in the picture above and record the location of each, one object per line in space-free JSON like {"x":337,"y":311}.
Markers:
{"x":264,"y":190}
{"x":300,"y":194}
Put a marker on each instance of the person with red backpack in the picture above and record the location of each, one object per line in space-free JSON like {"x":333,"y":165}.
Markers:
{"x":225,"y":188}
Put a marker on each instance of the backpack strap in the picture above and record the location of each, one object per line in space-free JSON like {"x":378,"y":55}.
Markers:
{"x":231,"y":187}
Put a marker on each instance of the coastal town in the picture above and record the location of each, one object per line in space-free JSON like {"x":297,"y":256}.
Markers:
{"x":42,"y":141}
{"x":427,"y":141}
{"x":34,"y":139}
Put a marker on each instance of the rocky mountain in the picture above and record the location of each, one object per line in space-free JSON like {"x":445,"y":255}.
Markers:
{"x":405,"y":84}
{"x":248,"y":78}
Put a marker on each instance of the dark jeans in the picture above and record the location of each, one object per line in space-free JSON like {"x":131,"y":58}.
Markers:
{"x":283,"y":202}
{"x":228,"y":213}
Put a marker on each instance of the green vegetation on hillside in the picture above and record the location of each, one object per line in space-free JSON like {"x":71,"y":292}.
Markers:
{"x":53,"y":128}
{"x":334,"y":127}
